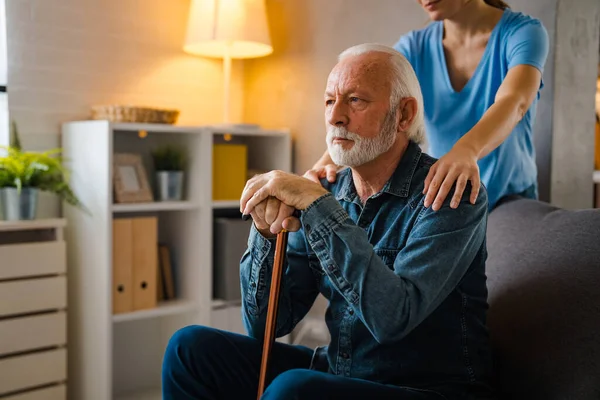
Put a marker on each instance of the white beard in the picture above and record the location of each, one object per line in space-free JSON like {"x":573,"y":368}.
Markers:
{"x":364,"y":150}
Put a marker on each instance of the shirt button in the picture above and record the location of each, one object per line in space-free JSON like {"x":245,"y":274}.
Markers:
{"x":351,"y":311}
{"x":306,"y":227}
{"x":345,"y":355}
{"x":252,"y":284}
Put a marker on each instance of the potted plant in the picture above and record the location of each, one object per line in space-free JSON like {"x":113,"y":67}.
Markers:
{"x":169,"y":164}
{"x":23,"y":174}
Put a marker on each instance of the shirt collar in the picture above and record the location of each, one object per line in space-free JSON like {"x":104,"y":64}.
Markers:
{"x":397,"y":185}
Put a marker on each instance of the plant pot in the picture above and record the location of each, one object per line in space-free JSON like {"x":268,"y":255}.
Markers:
{"x":19,"y":206}
{"x":169,"y":185}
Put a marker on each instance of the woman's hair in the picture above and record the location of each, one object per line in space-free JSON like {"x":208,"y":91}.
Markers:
{"x":497,"y":3}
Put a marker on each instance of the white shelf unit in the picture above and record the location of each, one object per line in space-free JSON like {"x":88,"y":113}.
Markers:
{"x":120,"y":356}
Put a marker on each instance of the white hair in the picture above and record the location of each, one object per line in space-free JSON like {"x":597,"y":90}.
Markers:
{"x":404,"y":83}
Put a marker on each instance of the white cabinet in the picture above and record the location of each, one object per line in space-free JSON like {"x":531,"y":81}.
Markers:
{"x":33,"y":310}
{"x":120,"y":356}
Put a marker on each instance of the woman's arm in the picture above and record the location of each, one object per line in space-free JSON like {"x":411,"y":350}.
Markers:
{"x":513,"y":99}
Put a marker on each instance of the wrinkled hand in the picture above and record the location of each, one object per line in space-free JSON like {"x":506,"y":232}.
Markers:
{"x":270,"y":216}
{"x":458,"y":165}
{"x":317,"y":173}
{"x":264,"y":194}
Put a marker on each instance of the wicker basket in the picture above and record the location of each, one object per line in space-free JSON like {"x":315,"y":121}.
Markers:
{"x":120,"y":113}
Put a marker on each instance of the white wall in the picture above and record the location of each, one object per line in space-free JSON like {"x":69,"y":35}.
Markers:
{"x":577,"y":43}
{"x":66,"y":55}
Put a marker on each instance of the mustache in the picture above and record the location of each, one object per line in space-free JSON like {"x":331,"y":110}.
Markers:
{"x":334,"y":132}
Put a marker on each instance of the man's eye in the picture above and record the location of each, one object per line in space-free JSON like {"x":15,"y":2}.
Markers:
{"x":329,"y":102}
{"x":354,"y":99}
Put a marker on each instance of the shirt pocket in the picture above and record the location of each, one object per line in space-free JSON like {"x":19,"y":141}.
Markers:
{"x":388,"y":256}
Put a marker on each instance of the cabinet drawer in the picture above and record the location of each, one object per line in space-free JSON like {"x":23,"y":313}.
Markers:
{"x":30,"y":333}
{"x":30,"y":259}
{"x":17,"y":297}
{"x":53,"y":393}
{"x":22,"y":372}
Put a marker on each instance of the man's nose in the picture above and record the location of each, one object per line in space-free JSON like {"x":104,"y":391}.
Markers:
{"x":338,"y":115}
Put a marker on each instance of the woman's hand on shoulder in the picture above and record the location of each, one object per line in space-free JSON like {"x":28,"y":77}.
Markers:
{"x":324,"y":168}
{"x":319,"y":172}
{"x":458,"y":166}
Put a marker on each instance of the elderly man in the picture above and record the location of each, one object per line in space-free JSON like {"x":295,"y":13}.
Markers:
{"x":406,"y":285}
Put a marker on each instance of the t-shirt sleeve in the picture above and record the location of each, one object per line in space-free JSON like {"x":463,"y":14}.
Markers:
{"x":528,"y":44}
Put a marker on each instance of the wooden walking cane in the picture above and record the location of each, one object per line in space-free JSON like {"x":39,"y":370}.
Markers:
{"x":280,"y":249}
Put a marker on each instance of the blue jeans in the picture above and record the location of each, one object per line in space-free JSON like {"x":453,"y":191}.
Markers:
{"x":206,"y":363}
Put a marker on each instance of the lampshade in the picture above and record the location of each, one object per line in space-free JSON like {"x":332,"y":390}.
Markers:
{"x":233,"y":28}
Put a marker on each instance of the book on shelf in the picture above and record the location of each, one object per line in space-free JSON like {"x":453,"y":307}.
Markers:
{"x":166,"y":272}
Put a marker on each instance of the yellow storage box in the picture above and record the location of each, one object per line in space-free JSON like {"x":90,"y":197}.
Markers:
{"x":230,"y":166}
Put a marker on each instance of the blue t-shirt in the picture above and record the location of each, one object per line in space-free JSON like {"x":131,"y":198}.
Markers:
{"x":516,"y":39}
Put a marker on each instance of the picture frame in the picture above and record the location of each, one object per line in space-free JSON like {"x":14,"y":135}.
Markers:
{"x":130,"y":180}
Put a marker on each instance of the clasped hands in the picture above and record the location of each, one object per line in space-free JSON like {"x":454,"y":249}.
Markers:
{"x":272,"y":198}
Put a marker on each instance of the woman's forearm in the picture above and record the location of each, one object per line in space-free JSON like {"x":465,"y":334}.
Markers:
{"x":513,"y":99}
{"x":494,"y":127}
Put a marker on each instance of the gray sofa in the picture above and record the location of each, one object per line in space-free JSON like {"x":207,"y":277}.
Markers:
{"x":544,"y":294}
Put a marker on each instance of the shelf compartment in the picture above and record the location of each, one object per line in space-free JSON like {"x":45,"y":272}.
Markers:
{"x":168,"y":307}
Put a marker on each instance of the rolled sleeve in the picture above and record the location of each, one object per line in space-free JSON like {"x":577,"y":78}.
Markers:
{"x":255,"y":272}
{"x":298,"y":289}
{"x":320,"y":221}
{"x":323,"y":215}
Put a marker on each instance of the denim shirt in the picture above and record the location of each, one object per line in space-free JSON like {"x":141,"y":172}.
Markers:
{"x":406,"y":285}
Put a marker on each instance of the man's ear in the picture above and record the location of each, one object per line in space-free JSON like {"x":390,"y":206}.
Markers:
{"x":407,"y":110}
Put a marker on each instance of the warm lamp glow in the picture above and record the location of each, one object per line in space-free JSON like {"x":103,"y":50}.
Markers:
{"x":228,"y":28}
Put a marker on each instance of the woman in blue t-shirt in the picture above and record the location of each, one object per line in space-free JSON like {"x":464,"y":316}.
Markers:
{"x":480,"y":68}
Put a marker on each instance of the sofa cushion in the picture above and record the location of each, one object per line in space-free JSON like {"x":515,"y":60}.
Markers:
{"x":544,"y":293}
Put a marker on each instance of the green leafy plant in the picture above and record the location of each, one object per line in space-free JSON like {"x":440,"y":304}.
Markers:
{"x":169,"y":158}
{"x":41,"y":170}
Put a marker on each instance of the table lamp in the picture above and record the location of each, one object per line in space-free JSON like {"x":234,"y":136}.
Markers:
{"x":228,"y":29}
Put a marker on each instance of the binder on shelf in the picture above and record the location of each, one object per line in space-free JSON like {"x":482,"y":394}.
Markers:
{"x":134,"y":264}
{"x":230,"y":165}
{"x":145,"y":263}
{"x":121,"y":266}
